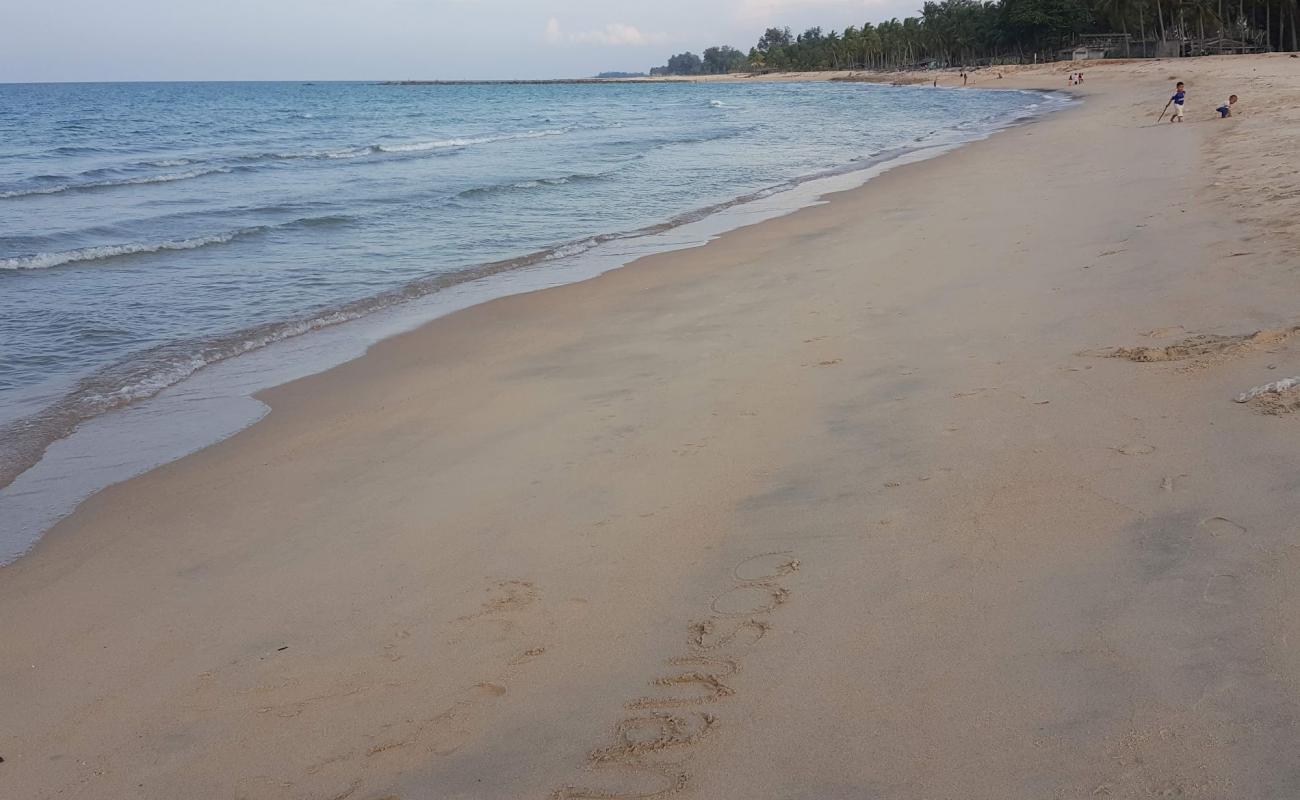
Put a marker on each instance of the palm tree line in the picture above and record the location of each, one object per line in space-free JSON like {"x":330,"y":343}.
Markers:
{"x":970,"y":32}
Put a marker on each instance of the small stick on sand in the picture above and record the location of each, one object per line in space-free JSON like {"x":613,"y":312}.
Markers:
{"x":1276,"y":387}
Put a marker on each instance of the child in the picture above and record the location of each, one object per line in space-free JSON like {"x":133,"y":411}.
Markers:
{"x":1179,"y":98}
{"x":1226,"y":109}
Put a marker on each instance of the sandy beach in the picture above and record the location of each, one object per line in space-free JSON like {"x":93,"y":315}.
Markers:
{"x":935,"y":490}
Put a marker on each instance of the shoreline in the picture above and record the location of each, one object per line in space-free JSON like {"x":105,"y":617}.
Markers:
{"x":892,"y":77}
{"x":53,"y":485}
{"x":850,"y":495}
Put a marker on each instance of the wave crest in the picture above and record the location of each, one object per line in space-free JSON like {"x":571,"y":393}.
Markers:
{"x":442,"y":144}
{"x":110,"y":251}
{"x":536,"y":183}
{"x":106,"y":184}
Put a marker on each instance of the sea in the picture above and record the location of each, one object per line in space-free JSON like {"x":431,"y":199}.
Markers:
{"x":169,"y":249}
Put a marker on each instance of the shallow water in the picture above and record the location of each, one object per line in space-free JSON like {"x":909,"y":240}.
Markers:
{"x":148,"y":231}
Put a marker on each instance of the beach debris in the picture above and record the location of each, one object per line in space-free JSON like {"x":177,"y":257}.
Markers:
{"x":1276,"y":398}
{"x":1276,"y":387}
{"x":1200,"y":346}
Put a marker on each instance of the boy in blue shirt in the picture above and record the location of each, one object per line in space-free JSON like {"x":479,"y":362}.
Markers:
{"x":1179,"y":98}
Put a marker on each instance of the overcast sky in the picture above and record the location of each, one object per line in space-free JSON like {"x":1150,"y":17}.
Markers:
{"x":86,"y":40}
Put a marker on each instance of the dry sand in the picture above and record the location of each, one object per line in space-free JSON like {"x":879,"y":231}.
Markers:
{"x":842,"y":505}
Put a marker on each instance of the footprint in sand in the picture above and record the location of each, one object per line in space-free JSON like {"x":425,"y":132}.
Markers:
{"x":1135,"y":449}
{"x":526,"y":656}
{"x":766,"y":567}
{"x":1221,"y":590}
{"x":1222,"y":526}
{"x":444,"y":732}
{"x":749,"y":601}
{"x":1165,"y":332}
{"x":503,"y":597}
{"x":704,"y":682}
{"x":711,"y":634}
{"x":636,"y":737}
{"x":652,"y":782}
{"x":698,"y":681}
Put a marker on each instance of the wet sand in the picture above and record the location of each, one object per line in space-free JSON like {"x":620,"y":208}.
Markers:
{"x":935,"y":490}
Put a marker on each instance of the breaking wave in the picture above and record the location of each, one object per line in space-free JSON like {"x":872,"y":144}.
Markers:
{"x":107,"y":184}
{"x":111,"y":251}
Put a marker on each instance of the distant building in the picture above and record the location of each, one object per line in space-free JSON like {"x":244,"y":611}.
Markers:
{"x":1082,"y":53}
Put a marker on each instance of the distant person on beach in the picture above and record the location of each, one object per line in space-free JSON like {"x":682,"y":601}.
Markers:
{"x":1225,"y":110}
{"x":1177,"y":101}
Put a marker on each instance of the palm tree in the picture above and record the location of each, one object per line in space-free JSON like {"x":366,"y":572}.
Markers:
{"x":1116,"y":11}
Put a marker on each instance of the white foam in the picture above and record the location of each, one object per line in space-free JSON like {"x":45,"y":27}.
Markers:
{"x":442,"y":144}
{"x":48,"y":260}
{"x":143,"y":179}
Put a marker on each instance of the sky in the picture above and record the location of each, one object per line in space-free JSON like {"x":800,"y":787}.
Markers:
{"x":127,"y":40}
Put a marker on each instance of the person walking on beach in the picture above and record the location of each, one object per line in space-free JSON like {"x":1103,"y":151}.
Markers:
{"x":1177,"y":101}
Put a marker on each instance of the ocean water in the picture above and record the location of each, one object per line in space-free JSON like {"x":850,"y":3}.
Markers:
{"x":151,"y":231}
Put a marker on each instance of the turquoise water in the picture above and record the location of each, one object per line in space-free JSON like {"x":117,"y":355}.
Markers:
{"x":148,"y":231}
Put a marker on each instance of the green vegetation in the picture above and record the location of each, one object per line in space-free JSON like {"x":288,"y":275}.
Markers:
{"x":716,"y":61}
{"x":971,"y":32}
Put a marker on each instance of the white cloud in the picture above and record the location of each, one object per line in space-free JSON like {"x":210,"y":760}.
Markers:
{"x":553,"y":34}
{"x":615,"y":34}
